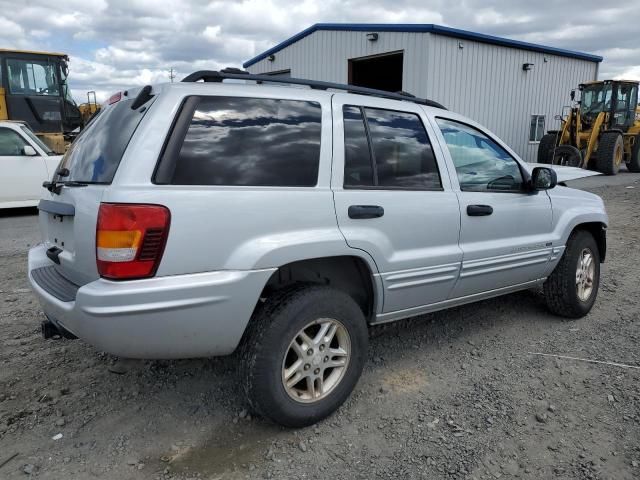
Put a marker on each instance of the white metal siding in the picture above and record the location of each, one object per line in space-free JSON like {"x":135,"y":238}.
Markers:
{"x":487,"y":83}
{"x":482,"y":81}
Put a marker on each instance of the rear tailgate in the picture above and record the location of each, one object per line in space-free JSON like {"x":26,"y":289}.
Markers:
{"x":68,"y":227}
{"x":68,"y":218}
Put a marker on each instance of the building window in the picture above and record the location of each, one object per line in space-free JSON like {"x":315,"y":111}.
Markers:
{"x":536,"y":129}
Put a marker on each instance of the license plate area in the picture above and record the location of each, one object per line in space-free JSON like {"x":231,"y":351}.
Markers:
{"x":60,"y":232}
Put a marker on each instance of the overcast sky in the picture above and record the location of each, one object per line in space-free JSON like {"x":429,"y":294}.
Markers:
{"x":118,"y":43}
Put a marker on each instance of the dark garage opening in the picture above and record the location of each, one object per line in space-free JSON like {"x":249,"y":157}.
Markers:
{"x":383,"y":72}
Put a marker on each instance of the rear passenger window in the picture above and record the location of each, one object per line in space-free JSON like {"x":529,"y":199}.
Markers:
{"x":358,"y":169}
{"x":251,"y":142}
{"x":387,"y":149}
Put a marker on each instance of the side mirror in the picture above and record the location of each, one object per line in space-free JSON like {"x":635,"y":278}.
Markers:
{"x":543,"y":178}
{"x":29,"y":151}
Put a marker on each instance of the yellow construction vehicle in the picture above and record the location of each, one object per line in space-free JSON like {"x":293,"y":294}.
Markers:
{"x":600,"y":131}
{"x":34,"y":89}
{"x":89,"y":108}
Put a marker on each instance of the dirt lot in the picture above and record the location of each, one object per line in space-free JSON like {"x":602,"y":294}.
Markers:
{"x":450,"y":395}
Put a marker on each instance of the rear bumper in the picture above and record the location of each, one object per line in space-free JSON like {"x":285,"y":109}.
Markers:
{"x":181,"y":316}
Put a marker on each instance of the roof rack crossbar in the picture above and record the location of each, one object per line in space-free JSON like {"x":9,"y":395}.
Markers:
{"x":215,"y":76}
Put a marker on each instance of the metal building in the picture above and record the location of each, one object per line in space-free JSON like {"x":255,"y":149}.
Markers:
{"x":514,"y":88}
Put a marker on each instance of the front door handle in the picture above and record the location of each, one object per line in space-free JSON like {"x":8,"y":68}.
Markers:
{"x":479,"y":210}
{"x":365,"y":211}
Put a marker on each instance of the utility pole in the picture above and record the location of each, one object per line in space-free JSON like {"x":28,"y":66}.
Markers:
{"x":172,"y":74}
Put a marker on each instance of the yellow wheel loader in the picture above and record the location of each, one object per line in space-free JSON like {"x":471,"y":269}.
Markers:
{"x":89,"y":108}
{"x":600,"y":131}
{"x":34,"y":89}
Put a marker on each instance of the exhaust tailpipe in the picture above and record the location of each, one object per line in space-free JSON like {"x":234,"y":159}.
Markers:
{"x":51,"y":330}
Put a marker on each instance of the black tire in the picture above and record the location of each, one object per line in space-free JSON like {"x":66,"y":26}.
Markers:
{"x":610,"y":146}
{"x":267,"y":342}
{"x":567,"y":155}
{"x":633,"y":165}
{"x":546,"y":146}
{"x":560,"y":290}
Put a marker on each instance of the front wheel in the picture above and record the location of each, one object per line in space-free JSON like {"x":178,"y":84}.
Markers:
{"x":571,"y":290}
{"x":610,"y":153}
{"x":304,"y":354}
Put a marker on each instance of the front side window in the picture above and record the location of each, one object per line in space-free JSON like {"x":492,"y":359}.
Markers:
{"x":251,"y":142}
{"x":626,"y":100}
{"x":536,"y":128}
{"x":11,"y":144}
{"x":481,"y":164}
{"x":387,"y":149}
{"x":29,"y":77}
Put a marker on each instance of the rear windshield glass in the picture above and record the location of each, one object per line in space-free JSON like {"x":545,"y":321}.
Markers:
{"x":95,"y":155}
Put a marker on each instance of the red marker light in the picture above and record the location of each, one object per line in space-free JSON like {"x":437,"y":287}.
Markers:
{"x":116,"y":97}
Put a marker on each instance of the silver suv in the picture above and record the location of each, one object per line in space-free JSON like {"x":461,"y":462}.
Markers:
{"x":198,"y":218}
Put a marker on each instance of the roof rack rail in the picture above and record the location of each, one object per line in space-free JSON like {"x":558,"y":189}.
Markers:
{"x":237,"y":74}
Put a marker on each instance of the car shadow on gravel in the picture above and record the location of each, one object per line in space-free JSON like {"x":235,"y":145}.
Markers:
{"x":240,"y":442}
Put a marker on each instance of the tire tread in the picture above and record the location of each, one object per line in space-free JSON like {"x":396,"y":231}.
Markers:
{"x":558,"y":287}
{"x":606,"y":149}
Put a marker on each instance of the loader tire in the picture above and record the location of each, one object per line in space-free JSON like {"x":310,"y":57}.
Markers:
{"x":610,"y":153}
{"x":633,"y":165}
{"x":546,"y":147}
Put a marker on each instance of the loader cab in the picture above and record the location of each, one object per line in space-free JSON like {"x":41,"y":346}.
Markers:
{"x":36,"y":91}
{"x":616,"y":98}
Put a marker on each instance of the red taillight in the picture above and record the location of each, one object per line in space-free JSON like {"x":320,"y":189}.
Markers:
{"x":130,"y":239}
{"x":114,"y":98}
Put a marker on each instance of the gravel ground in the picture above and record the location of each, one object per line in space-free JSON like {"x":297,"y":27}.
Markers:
{"x":450,"y":395}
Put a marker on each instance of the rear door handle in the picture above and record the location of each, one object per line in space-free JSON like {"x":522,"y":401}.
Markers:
{"x":479,"y":210}
{"x":365,"y":211}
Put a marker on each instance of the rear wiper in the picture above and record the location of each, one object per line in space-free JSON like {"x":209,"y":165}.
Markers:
{"x":56,"y":187}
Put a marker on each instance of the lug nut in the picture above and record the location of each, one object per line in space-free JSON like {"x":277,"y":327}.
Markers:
{"x":316,"y":371}
{"x":326,"y":359}
{"x":321,"y":347}
{"x":307,"y":366}
{"x":310,"y":351}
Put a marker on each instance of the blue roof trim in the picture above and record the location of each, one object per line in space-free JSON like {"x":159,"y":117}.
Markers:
{"x":426,"y":27}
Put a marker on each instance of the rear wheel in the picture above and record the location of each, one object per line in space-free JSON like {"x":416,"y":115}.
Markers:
{"x":304,"y":354}
{"x":545,"y":148}
{"x":571,"y":290}
{"x":634,"y":162}
{"x":610,"y":153}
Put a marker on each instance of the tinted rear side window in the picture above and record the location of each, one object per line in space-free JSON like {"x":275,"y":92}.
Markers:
{"x":251,"y":142}
{"x":387,"y":149}
{"x":403,"y":153}
{"x":358,"y":169}
{"x":95,"y":155}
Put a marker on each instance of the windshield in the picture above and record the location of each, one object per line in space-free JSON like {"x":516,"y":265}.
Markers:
{"x":34,"y":138}
{"x":596,"y":98}
{"x":95,"y":154}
